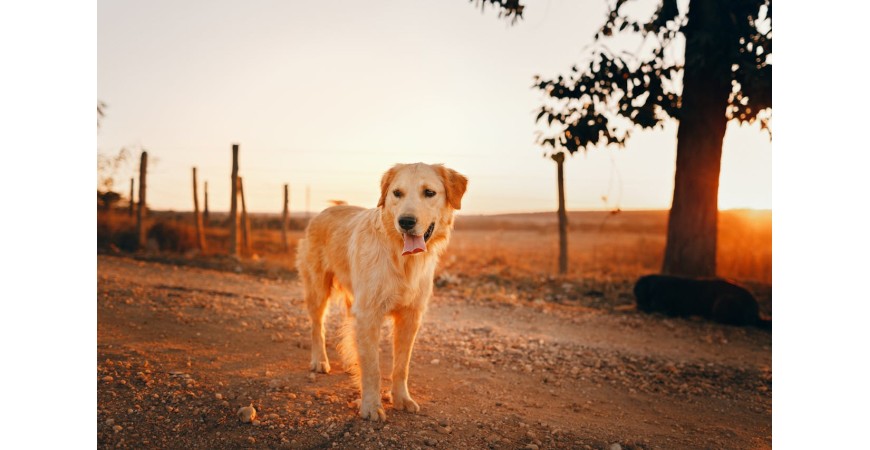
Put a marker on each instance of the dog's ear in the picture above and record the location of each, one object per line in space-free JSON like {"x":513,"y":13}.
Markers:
{"x":454,"y":185}
{"x":386,"y":180}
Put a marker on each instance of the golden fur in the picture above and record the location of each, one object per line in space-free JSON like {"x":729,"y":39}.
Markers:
{"x":356,"y":254}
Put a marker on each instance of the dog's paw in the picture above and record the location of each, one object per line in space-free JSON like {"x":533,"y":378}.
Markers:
{"x":373,"y":411}
{"x":319,"y":366}
{"x":405,"y":403}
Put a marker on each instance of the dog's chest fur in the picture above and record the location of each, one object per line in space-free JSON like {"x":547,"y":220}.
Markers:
{"x":400,"y":281}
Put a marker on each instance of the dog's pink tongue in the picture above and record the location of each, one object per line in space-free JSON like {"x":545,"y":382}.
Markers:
{"x":413,"y":244}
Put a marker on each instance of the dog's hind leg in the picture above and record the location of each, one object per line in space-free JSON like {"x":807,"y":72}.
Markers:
{"x":406,"y":322}
{"x":316,"y":299}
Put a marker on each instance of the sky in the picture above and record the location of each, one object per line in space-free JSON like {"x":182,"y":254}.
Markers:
{"x":327,"y":95}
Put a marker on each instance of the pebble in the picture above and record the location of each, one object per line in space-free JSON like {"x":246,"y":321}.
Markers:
{"x":247,"y":414}
{"x":531,"y":447}
{"x":615,"y":446}
{"x":312,"y":377}
{"x":107,"y":378}
{"x":219,"y":396}
{"x":430,"y":442}
{"x":117,"y":428}
{"x":445,"y":430}
{"x":434,"y":362}
{"x":110,"y":422}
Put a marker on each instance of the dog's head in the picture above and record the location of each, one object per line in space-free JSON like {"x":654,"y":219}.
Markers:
{"x":418,"y":200}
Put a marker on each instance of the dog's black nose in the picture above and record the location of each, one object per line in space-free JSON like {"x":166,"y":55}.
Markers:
{"x":407,"y":222}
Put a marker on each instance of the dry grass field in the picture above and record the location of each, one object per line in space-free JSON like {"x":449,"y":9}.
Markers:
{"x":602,"y":246}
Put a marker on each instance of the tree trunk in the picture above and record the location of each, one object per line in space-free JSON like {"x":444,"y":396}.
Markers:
{"x":205,"y":200}
{"x":197,"y":218}
{"x":285,"y":216}
{"x":132,"y":198}
{"x":234,"y":212}
{"x":140,"y":214}
{"x":563,"y":216}
{"x":693,"y":219}
{"x":246,"y":222}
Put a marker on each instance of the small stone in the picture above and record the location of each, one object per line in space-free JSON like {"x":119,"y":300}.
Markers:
{"x":255,"y":423}
{"x":247,"y":414}
{"x":312,"y":377}
{"x":219,"y":396}
{"x":251,"y":439}
{"x":531,"y":447}
{"x":110,"y":422}
{"x":445,"y":430}
{"x":117,"y":428}
{"x":107,"y":378}
{"x":615,"y":446}
{"x":272,"y":416}
{"x":429,"y":442}
{"x":434,"y":362}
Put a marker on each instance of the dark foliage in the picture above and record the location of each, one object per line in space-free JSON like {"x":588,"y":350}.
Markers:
{"x":600,"y":103}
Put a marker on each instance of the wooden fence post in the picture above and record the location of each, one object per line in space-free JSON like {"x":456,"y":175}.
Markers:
{"x":234,"y":212}
{"x":197,"y":219}
{"x":132,"y":198}
{"x":285,"y":218}
{"x":140,"y":216}
{"x":246,"y":221}
{"x":205,"y":210}
{"x":563,"y":216}
{"x":307,"y":201}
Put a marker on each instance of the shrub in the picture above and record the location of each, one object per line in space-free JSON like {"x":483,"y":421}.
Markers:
{"x":173,"y":236}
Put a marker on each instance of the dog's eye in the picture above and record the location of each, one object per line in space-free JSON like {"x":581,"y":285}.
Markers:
{"x":429,"y":193}
{"x":397,"y":193}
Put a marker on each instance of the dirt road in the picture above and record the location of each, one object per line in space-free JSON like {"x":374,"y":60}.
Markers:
{"x":181,"y":349}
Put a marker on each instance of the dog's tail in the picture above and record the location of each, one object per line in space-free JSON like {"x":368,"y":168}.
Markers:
{"x":347,"y":345}
{"x":301,"y":254}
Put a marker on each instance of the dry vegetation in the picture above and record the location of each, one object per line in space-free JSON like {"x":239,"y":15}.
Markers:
{"x":602,"y":246}
{"x":511,"y":257}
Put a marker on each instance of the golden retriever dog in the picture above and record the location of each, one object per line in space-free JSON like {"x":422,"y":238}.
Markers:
{"x":382,"y":262}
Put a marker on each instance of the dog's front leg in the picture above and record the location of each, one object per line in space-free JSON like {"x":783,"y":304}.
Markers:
{"x":367,"y":330}
{"x":406,"y":323}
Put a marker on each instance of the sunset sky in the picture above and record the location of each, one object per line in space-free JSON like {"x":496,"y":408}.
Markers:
{"x":330,"y":94}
